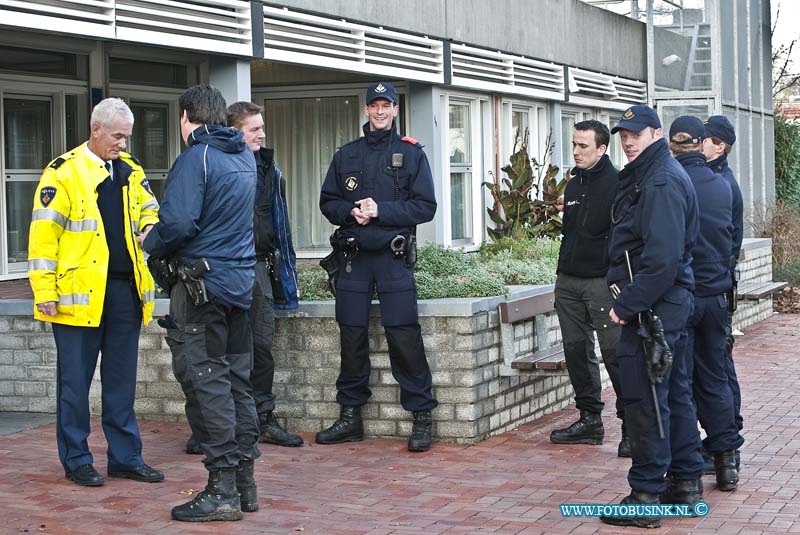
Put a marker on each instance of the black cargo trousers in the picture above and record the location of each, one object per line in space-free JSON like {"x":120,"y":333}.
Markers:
{"x":212,"y":357}
{"x":582,"y":305}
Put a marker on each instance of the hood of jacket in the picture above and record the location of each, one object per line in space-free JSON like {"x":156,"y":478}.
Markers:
{"x":219,"y":137}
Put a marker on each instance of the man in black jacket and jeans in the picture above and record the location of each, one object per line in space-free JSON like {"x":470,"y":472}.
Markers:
{"x":582,"y":295}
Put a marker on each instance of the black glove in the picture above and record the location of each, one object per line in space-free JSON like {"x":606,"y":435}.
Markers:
{"x":658,"y":355}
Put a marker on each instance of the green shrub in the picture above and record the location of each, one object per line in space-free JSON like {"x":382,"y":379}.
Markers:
{"x":789,"y":272}
{"x":787,"y":160}
{"x":442,"y":272}
{"x":312,"y":284}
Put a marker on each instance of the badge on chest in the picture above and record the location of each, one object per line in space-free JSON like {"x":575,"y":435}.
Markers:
{"x":351,"y":183}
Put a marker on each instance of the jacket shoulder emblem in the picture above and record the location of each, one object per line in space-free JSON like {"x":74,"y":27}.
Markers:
{"x":411,"y":140}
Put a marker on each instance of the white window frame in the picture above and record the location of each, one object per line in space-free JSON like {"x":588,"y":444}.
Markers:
{"x":32,"y":87}
{"x":480,"y":133}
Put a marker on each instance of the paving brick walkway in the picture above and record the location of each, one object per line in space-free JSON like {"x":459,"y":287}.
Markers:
{"x":508,"y":484}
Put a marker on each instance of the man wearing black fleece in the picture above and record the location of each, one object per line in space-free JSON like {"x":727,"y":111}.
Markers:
{"x":583,"y":299}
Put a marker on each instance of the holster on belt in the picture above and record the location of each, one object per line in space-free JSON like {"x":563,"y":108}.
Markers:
{"x":274,"y":266}
{"x":191,"y":277}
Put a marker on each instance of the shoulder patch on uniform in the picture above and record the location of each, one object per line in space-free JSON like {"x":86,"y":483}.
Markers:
{"x":660,"y":180}
{"x":146,"y":186}
{"x":408,"y":139}
{"x":46,"y":195}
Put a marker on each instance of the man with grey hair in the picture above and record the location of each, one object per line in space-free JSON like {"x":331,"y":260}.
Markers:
{"x":90,"y":280}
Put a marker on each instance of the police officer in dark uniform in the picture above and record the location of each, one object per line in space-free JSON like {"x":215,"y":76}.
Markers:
{"x":718,"y":143}
{"x":655,"y":225}
{"x":378,"y":188}
{"x":582,"y":295}
{"x":707,"y":325}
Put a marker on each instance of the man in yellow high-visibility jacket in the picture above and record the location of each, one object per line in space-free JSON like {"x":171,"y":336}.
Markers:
{"x":90,"y":280}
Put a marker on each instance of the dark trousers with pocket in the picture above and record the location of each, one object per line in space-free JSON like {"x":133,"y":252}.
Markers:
{"x":730,"y":372}
{"x":679,"y":451}
{"x":262,"y":324}
{"x":582,"y":305}
{"x":117,"y":338}
{"x":397,"y":292}
{"x":711,"y":389}
{"x":211,"y":357}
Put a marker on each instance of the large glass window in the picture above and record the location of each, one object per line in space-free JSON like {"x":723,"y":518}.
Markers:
{"x":305,"y":132}
{"x":150,"y":73}
{"x":682,"y":45}
{"x":43,"y":62}
{"x":461,"y":156}
{"x":150,"y":141}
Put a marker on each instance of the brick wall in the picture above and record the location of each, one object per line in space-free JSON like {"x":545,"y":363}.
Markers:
{"x":462,"y":338}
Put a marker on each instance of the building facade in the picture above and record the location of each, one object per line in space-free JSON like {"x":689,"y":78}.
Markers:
{"x":471,"y":75}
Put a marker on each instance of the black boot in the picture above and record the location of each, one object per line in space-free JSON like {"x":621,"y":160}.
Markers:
{"x":683,"y":491}
{"x":219,"y":500}
{"x":624,"y":448}
{"x":273,"y":433}
{"x":348,"y":428}
{"x":246,"y":485}
{"x":193,"y":447}
{"x":420,"y":439}
{"x":637,"y":522}
{"x":587,"y":430}
{"x":725,"y":468}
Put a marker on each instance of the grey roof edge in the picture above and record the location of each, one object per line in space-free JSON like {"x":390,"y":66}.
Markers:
{"x":463,"y":306}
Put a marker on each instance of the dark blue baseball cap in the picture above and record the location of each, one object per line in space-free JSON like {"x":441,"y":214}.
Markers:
{"x":637,"y":118}
{"x":688,"y":124}
{"x":720,"y":127}
{"x":382,"y":90}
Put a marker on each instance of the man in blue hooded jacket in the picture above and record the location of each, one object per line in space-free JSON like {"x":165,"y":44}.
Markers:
{"x":207,"y":214}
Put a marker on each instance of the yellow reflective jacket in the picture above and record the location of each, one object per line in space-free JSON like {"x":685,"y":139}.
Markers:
{"x":67,"y":252}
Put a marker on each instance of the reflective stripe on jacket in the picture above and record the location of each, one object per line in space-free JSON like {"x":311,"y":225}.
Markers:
{"x":68,"y":254}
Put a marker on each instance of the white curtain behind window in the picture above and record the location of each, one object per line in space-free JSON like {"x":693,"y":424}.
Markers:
{"x":305,"y":132}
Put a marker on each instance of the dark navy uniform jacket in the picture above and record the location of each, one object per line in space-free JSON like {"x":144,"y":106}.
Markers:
{"x":654,"y":218}
{"x":363,"y":168}
{"x":711,"y":253}
{"x":720,"y":165}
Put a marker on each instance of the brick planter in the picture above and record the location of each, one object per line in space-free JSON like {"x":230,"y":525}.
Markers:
{"x":477,"y":397}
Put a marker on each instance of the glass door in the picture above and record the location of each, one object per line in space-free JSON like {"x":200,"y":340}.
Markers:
{"x":27,"y":148}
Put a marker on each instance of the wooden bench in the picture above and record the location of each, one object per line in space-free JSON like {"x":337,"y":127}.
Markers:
{"x":550,"y":359}
{"x":525,"y":308}
{"x":755,"y":291}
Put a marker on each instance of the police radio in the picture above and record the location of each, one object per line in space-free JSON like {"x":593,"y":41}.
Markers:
{"x":397,"y":163}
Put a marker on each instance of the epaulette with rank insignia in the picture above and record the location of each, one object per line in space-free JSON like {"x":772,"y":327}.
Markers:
{"x":58,"y":162}
{"x":131,"y":157}
{"x":411,"y":140}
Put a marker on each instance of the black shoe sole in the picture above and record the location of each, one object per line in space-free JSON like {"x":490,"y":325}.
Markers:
{"x":86,"y":483}
{"x":231,"y":516}
{"x":631,"y":522}
{"x":591,"y":441}
{"x":264,"y":440}
{"x":340,"y":441}
{"x":125,"y":475}
{"x":419,"y":450}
